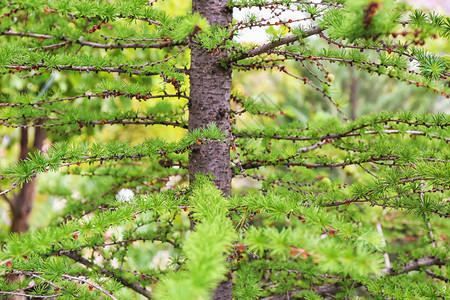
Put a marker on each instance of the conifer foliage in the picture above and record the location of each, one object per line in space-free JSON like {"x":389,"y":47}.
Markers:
{"x":343,"y":208}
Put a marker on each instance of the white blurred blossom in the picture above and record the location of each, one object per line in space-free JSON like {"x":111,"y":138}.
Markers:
{"x":125,"y":195}
{"x":160,"y":260}
{"x":59,"y":204}
{"x":173,"y":182}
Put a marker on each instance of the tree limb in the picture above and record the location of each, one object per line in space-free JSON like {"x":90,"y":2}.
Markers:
{"x":416,"y":264}
{"x":283,"y":41}
{"x":332,"y":289}
{"x":134,"y":286}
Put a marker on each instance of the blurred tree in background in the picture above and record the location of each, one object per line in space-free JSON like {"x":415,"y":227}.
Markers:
{"x":126,"y":112}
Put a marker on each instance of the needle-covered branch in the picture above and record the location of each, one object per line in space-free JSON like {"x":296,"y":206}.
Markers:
{"x":310,"y":191}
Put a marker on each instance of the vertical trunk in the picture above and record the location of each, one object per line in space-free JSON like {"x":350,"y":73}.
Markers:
{"x":210,"y":87}
{"x":22,"y":203}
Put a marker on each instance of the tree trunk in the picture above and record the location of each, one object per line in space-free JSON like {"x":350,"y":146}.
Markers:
{"x":210,"y":87}
{"x":22,"y":203}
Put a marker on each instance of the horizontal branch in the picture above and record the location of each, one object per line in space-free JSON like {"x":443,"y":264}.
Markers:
{"x":26,"y":34}
{"x":369,"y":66}
{"x":55,"y":46}
{"x":28,"y":296}
{"x":118,"y":121}
{"x":281,"y":2}
{"x":129,"y":45}
{"x":386,"y":48}
{"x":104,"y":94}
{"x":130,"y":17}
{"x":336,"y":136}
{"x":384,"y":205}
{"x":119,"y":243}
{"x":333,"y":289}
{"x":416,"y":264}
{"x":81,"y":69}
{"x":165,"y":43}
{"x":255,"y":164}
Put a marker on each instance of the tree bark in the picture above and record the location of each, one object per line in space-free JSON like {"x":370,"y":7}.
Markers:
{"x":22,"y":203}
{"x":210,"y":87}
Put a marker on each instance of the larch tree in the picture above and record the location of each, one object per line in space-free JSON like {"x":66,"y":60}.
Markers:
{"x":341,"y":209}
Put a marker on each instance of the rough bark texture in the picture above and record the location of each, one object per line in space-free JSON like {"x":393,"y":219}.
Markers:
{"x":22,"y":203}
{"x":210,"y":86}
{"x":224,"y":291}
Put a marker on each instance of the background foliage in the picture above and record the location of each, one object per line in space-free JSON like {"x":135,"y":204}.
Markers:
{"x":321,"y":206}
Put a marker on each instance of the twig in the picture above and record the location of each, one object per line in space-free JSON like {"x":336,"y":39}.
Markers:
{"x":54,"y":46}
{"x":283,"y":41}
{"x":90,"y":284}
{"x":320,"y":90}
{"x":23,"y":34}
{"x":47,"y":281}
{"x":29,"y":296}
{"x":416,"y":264}
{"x":134,"y":286}
{"x":432,"y":274}
{"x":367,"y":171}
{"x":10,"y":189}
{"x":332,"y":289}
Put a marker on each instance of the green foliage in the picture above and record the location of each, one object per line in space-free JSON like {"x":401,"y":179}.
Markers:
{"x":322,"y":206}
{"x":204,"y":250}
{"x":63,"y":154}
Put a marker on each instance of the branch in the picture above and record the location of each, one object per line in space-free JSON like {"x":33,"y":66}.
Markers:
{"x":332,"y":289}
{"x":90,"y":284}
{"x":46,"y":281}
{"x":29,"y":296}
{"x":432,"y":274}
{"x":10,"y":189}
{"x":283,"y":41}
{"x":262,"y":4}
{"x":121,"y":121}
{"x":336,"y":135}
{"x":416,"y":264}
{"x":134,"y":286}
{"x":130,"y":45}
{"x":54,"y":46}
{"x":23,"y":34}
{"x":318,"y":89}
{"x":91,"y":44}
{"x":255,"y":164}
{"x":103,"y":95}
{"x":81,"y":69}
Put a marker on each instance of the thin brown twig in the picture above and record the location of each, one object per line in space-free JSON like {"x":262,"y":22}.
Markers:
{"x":90,"y":284}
